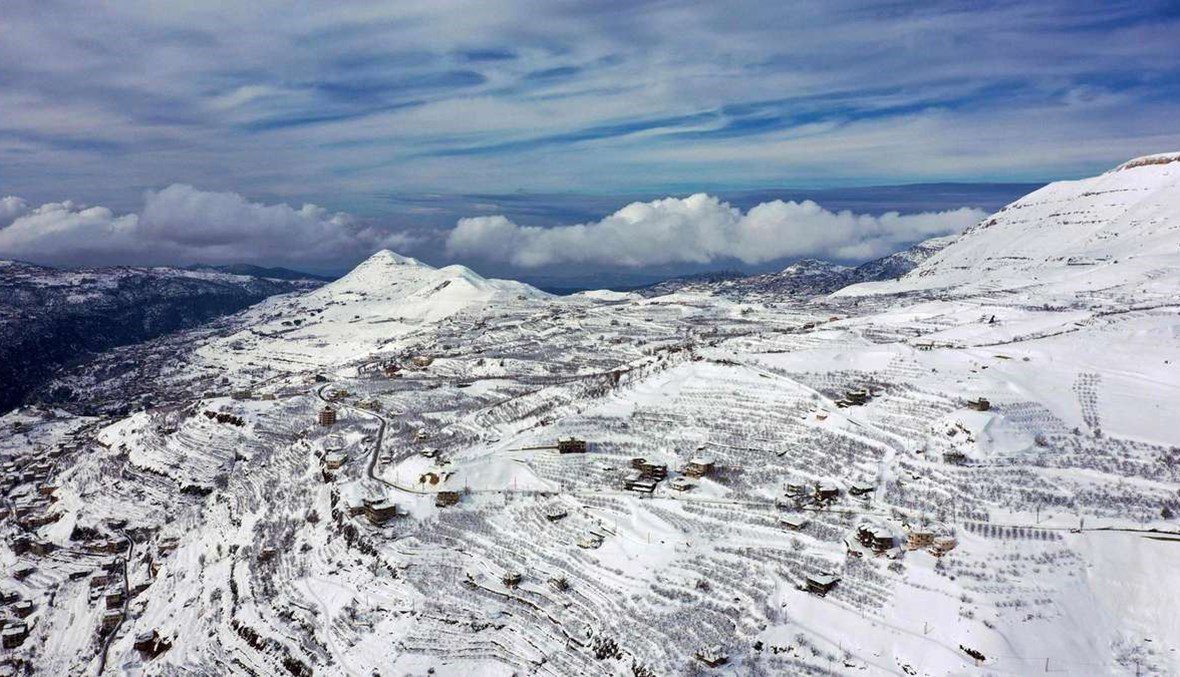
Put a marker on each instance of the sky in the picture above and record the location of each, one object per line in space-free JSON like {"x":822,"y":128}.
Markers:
{"x":542,"y":138}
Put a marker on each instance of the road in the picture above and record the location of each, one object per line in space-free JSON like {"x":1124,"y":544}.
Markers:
{"x":375,"y":452}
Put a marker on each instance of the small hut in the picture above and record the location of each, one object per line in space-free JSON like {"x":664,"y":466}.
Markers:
{"x":571,"y":446}
{"x":821,"y":584}
{"x":446,"y":498}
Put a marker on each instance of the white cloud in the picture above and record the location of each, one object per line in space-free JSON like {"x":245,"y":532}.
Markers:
{"x":181,"y":224}
{"x":699,"y":229}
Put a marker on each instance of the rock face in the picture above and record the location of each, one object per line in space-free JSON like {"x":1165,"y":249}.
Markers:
{"x":50,"y":318}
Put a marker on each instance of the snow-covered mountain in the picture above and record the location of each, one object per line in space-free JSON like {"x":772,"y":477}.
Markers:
{"x":969,"y":474}
{"x":50,"y":317}
{"x":385,"y":299}
{"x":1117,"y":231}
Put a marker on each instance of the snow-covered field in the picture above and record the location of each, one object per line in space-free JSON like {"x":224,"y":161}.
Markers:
{"x":225,"y":531}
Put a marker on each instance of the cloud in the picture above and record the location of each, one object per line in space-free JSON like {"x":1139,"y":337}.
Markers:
{"x":181,"y":224}
{"x":10,"y":208}
{"x":701,"y":229}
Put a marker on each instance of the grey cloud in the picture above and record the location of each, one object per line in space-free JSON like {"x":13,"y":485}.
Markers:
{"x":181,"y":224}
{"x":10,"y":208}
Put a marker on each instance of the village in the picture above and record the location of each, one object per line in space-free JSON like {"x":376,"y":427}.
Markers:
{"x":661,"y":486}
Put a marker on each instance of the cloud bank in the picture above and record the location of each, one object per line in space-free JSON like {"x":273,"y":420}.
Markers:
{"x":181,"y":224}
{"x":700,"y":229}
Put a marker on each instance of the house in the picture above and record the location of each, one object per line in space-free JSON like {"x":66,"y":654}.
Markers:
{"x":334,"y":460}
{"x":713,"y":656}
{"x":8,"y":596}
{"x":821,"y":584}
{"x":861,"y":488}
{"x":640,"y":484}
{"x":23,"y":608}
{"x":115,"y":598}
{"x":590,"y":541}
{"x":512,"y":579}
{"x":571,"y":446}
{"x":445,"y":498}
{"x":699,"y":467}
{"x":380,"y":511}
{"x":14,"y":634}
{"x":111,"y":619}
{"x":859,"y":396}
{"x":421,"y":361}
{"x":794,"y":522}
{"x":826,"y":490}
{"x":151,"y":644}
{"x":556,"y":513}
{"x":942,"y":545}
{"x":796,"y":489}
{"x":681,"y":484}
{"x":327,"y":416}
{"x":354,"y":505}
{"x":654,"y":471}
{"x":241,"y":394}
{"x":877,"y":537}
{"x":919,"y":538}
{"x":980,"y":404}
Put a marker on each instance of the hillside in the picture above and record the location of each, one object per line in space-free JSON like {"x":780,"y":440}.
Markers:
{"x":802,"y":279}
{"x":968,"y":474}
{"x":50,"y":318}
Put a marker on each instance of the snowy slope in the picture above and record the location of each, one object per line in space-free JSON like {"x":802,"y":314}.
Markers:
{"x":1119,"y":229}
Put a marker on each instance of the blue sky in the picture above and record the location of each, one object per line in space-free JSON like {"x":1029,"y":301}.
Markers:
{"x":363,"y":107}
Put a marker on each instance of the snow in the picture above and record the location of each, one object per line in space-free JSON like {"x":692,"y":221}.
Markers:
{"x":1057,"y":496}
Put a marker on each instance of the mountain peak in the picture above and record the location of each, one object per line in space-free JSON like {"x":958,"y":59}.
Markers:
{"x":390,"y":257}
